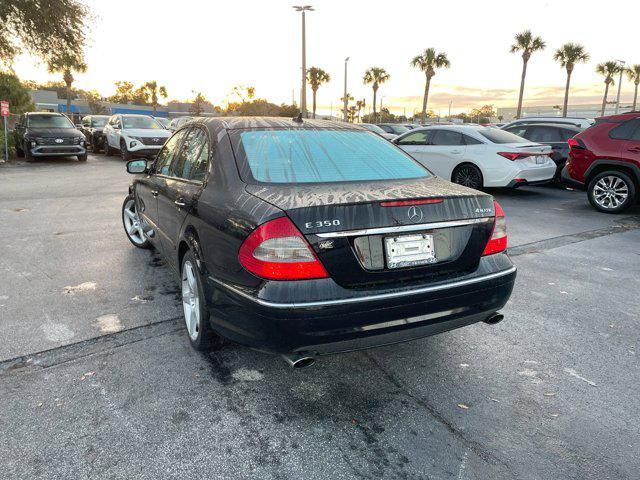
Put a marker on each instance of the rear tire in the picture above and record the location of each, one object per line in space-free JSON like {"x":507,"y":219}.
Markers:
{"x":611,"y":191}
{"x":194,"y":306}
{"x":468,"y":175}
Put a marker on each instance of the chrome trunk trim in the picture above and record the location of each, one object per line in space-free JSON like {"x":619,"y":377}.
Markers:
{"x":405,"y":228}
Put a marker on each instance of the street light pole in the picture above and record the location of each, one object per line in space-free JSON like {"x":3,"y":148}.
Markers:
{"x":346,"y":100}
{"x":622,"y":62}
{"x":303,"y":92}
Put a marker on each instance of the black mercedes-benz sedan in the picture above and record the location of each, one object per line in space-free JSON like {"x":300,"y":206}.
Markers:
{"x":306,"y":237}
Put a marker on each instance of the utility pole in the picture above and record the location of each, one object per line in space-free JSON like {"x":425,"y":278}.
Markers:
{"x":303,"y":92}
{"x":450,"y":102}
{"x":622,"y":64}
{"x":346,"y":100}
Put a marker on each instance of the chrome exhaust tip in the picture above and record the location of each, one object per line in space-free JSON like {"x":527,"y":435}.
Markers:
{"x":298,"y":360}
{"x":493,"y":319}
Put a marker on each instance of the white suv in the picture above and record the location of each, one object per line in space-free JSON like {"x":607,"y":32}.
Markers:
{"x":134,"y":136}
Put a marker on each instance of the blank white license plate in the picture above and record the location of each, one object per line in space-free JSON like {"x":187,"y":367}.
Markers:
{"x":410,"y":250}
{"x":541,"y":159}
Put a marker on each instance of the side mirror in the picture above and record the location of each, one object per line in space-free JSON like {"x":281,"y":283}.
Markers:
{"x":137,"y":166}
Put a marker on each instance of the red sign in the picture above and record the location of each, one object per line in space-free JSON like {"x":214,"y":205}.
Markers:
{"x":4,"y":109}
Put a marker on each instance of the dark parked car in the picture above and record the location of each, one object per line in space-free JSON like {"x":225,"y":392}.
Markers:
{"x":314,"y":237}
{"x":93,"y":128}
{"x":43,"y":134}
{"x":555,"y":135}
{"x":605,"y":160}
{"x":393,"y":128}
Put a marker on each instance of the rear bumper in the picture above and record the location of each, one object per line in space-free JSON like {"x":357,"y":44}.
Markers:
{"x":354,"y":320}
{"x":566,"y":178}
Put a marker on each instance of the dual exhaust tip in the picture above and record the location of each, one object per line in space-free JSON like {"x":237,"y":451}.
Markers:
{"x":298,"y":360}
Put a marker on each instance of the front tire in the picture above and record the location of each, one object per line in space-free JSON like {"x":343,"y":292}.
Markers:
{"x":132,"y":223}
{"x":108,"y":151}
{"x":27,"y":152}
{"x":194,"y":306}
{"x":126,"y":156}
{"x":467,"y":175}
{"x":611,"y":191}
{"x":82,"y":158}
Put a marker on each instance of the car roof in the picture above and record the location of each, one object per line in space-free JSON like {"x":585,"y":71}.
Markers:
{"x":134,"y":115}
{"x":569,"y":126}
{"x":50,"y":114}
{"x":621,"y":116}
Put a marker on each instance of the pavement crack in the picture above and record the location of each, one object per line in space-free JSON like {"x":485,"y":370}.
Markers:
{"x":623,"y":225}
{"x":85,"y":348}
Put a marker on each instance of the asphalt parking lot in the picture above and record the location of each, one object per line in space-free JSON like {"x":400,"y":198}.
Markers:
{"x":98,"y":380}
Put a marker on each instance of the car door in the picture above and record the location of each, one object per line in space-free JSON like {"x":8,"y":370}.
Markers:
{"x":631,"y":148}
{"x":148,"y":188}
{"x":446,"y":151}
{"x":178,"y":195}
{"x":415,"y":144}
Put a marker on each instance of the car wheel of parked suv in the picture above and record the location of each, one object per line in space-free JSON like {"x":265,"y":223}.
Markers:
{"x":611,"y":191}
{"x":27,"y":152}
{"x":82,"y":158}
{"x":126,"y":156}
{"x":132,"y":224}
{"x":108,"y":151}
{"x":196,"y":315}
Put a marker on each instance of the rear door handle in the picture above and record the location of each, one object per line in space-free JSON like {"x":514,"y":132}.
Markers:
{"x":456,"y":151}
{"x":180,"y":202}
{"x":634,"y":149}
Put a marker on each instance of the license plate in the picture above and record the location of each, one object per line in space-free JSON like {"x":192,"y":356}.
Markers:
{"x":410,"y":250}
{"x":540,"y":159}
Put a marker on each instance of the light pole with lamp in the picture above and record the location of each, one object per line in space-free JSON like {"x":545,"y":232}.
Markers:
{"x":303,"y":92}
{"x":622,"y":64}
{"x":346,"y":100}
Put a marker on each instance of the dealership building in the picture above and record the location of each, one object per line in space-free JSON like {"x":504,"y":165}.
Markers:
{"x":592,"y":110}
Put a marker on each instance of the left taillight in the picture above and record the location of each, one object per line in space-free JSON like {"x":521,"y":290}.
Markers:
{"x":276,"y":250}
{"x":498,"y":241}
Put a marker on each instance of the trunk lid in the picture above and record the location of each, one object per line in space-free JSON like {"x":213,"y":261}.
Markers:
{"x":352,"y":227}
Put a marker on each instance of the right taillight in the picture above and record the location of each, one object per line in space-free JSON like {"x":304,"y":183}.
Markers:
{"x":498,"y":241}
{"x":276,"y":250}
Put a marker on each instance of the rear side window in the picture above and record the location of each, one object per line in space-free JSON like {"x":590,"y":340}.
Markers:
{"x":185,"y":164}
{"x":468,"y":140}
{"x":495,"y":135}
{"x":317,"y":156}
{"x":625,"y":130}
{"x":518,"y":130}
{"x":544,"y":134}
{"x":567,"y":134}
{"x":447,"y":137}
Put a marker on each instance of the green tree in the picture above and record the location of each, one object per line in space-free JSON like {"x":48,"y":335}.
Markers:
{"x":41,"y":27}
{"x":608,"y":70}
{"x":349,"y":99}
{"x":375,"y":76}
{"x":197,"y":104}
{"x":94,"y":101}
{"x":151,"y":91}
{"x":427,"y":62}
{"x":633,"y":74}
{"x":17,"y":94}
{"x":290,"y":111}
{"x":526,"y":43}
{"x":484,"y":114}
{"x":316,"y":77}
{"x":567,"y":56}
{"x":360,"y":104}
{"x":66,"y":63}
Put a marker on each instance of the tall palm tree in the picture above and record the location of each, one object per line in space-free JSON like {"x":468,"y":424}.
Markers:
{"x":153,"y":90}
{"x":66,"y":63}
{"x":428,"y":61}
{"x":608,"y":70}
{"x":360,"y":105}
{"x":526,"y":43}
{"x":567,"y":56}
{"x":316,"y":77}
{"x":375,"y":76}
{"x":633,"y":74}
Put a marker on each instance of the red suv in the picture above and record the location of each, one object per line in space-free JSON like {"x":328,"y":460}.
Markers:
{"x":605,"y":159}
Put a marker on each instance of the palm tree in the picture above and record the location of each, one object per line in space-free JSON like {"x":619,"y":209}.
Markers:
{"x":633,"y":74}
{"x":609,"y":70}
{"x":360,"y":104}
{"x":316,"y":77}
{"x":568,"y":55}
{"x":153,"y":90}
{"x":428,"y":61}
{"x":66,"y":63}
{"x":375,"y":76}
{"x":526,"y":43}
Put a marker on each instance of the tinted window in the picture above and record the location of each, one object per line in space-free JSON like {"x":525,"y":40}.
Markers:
{"x":399,"y":129}
{"x":168,"y":152}
{"x":625,"y":130}
{"x":313,"y":156}
{"x":501,"y":136}
{"x":447,"y":137}
{"x":565,"y":135}
{"x":140,"y":122}
{"x":98,"y":122}
{"x":194,"y":142}
{"x":415,"y":138}
{"x":386,"y":128}
{"x":49,"y":121}
{"x":373,"y":128}
{"x":544,"y":134}
{"x":518,"y":130}
{"x":471,"y":141}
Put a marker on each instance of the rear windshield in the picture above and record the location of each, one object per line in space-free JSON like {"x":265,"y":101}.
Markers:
{"x":495,"y":135}
{"x":140,"y":122}
{"x":317,"y":156}
{"x":49,"y":121}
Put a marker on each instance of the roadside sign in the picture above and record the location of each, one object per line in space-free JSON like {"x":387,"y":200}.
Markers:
{"x":4,"y":108}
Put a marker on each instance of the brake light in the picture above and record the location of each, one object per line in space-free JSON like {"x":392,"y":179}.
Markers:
{"x":575,"y":144}
{"x":518,"y":155}
{"x":405,"y":203}
{"x":276,"y":250}
{"x":498,"y":241}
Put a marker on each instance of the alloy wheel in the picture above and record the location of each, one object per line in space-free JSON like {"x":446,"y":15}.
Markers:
{"x":468,"y":176}
{"x":610,"y":192}
{"x":132,"y":223}
{"x":190,"y":300}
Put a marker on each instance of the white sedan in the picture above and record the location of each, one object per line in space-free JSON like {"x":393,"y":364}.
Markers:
{"x":477,"y":156}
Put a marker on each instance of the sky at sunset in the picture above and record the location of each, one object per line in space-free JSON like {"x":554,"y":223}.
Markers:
{"x":210,"y":46}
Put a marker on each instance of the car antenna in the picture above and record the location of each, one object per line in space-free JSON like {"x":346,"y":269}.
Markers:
{"x":298,"y":119}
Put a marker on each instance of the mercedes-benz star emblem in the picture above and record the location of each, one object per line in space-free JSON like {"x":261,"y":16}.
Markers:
{"x":414,"y":214}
